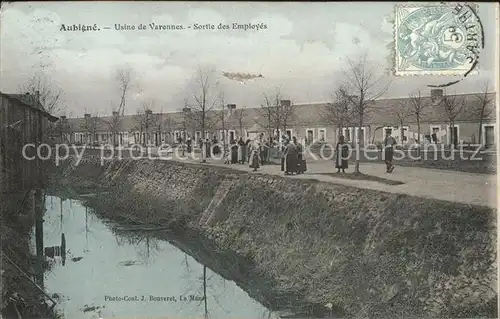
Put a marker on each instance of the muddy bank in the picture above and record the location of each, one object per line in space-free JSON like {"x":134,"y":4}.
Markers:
{"x":366,"y":253}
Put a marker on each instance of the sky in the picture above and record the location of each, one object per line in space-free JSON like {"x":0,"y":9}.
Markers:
{"x":302,"y":51}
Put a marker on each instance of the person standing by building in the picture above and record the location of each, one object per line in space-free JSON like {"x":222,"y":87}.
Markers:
{"x":301,"y":162}
{"x":234,"y":152}
{"x":341,"y":155}
{"x":282,"y":150}
{"x":208,"y":147}
{"x":290,"y":158}
{"x":255,"y":156}
{"x":241,"y":151}
{"x":389,"y":144}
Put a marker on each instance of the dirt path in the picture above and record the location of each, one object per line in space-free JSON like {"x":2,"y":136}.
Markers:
{"x":466,"y":188}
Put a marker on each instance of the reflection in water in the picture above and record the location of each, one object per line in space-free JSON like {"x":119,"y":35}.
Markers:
{"x":113,"y":275}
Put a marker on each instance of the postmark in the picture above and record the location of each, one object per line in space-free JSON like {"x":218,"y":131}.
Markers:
{"x":437,"y":39}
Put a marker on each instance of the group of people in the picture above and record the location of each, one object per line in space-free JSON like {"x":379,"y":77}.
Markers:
{"x":292,"y":161}
{"x":241,"y":151}
{"x":255,"y":152}
{"x":342,"y":153}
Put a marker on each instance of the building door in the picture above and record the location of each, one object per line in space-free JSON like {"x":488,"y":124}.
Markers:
{"x":489,"y":136}
{"x":435,"y":134}
{"x":231,"y":136}
{"x":310,"y":136}
{"x":289,"y":134}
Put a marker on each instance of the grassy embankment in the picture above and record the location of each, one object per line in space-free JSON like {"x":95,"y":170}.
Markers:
{"x":367,"y":253}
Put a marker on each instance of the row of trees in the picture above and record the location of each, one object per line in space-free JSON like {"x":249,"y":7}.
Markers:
{"x":205,"y":107}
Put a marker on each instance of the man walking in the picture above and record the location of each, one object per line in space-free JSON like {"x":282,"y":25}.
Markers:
{"x":389,"y":144}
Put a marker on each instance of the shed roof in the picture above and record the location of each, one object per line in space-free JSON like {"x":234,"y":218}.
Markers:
{"x":28,"y":100}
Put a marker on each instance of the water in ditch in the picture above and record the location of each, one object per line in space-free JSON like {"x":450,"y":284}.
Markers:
{"x":106,"y":275}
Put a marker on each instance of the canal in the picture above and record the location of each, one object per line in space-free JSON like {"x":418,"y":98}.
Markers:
{"x":98,"y":271}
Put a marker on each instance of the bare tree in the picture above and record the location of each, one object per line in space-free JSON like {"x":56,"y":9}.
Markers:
{"x":144,"y":121}
{"x":418,"y":109}
{"x":482,"y":111}
{"x":365,"y":88}
{"x":186,"y":124}
{"x":453,"y":106}
{"x":339,"y":111}
{"x":268,"y":112}
{"x":162,"y":124}
{"x":402,"y":112}
{"x":221,"y":114}
{"x":123,"y":76}
{"x":47,"y":93}
{"x":90,"y":126}
{"x":285,"y":113}
{"x":204,"y":102}
{"x":114,"y":125}
{"x":240,"y":117}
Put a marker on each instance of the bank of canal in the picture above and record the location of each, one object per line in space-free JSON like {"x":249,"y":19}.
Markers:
{"x":110,"y":273}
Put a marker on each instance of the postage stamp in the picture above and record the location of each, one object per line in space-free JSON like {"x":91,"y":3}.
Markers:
{"x":437,"y":39}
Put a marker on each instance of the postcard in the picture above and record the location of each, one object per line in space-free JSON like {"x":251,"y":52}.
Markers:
{"x":243,"y":160}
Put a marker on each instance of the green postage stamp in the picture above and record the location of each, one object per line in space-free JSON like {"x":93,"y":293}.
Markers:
{"x":437,"y":39}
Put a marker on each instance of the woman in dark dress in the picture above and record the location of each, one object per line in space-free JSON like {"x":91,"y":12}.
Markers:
{"x":301,"y":162}
{"x":241,"y":151}
{"x":290,"y":158}
{"x":208,"y":152}
{"x":216,"y":147}
{"x":341,"y":155}
{"x":234,"y":152}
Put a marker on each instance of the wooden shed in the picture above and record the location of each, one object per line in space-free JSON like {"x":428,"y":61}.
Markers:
{"x":23,"y":128}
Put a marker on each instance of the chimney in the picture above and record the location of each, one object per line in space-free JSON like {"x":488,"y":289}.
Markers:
{"x":86,"y":115}
{"x":436,"y":96}
{"x":286,"y":103}
{"x":116,"y":113}
{"x":231,"y":108}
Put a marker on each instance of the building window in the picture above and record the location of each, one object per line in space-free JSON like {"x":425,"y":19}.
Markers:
{"x":488,"y":138}
{"x":232,"y":135}
{"x":435,"y":133}
{"x":347,"y":132}
{"x":289,"y":133}
{"x":322,"y":134}
{"x":453,"y":136}
{"x":405,"y":137}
